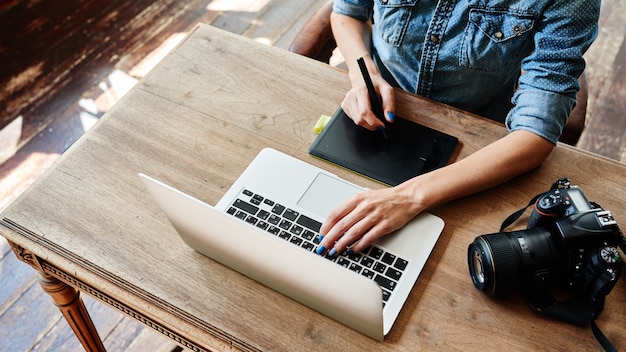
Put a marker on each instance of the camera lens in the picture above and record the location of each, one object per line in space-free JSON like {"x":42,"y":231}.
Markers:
{"x":510,"y":261}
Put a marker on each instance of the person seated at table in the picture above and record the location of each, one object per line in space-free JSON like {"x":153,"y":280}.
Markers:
{"x":514,"y":61}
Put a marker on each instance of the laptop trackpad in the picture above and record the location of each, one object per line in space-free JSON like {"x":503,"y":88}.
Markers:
{"x":325,"y":193}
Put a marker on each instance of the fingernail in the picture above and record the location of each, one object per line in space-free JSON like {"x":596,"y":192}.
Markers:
{"x":390,"y":116}
{"x":320,"y":238}
{"x":332,"y":253}
{"x":320,"y":250}
{"x":350,"y":252}
{"x":380,"y":128}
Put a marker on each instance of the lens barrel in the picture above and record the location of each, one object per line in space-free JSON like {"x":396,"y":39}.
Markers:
{"x":511,"y":261}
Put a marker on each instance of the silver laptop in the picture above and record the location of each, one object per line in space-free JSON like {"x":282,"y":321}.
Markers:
{"x":265,"y":227}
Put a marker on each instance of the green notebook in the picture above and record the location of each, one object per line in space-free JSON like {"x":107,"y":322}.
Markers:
{"x":410,"y":150}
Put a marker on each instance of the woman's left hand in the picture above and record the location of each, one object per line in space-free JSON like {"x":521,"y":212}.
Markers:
{"x":365,"y":217}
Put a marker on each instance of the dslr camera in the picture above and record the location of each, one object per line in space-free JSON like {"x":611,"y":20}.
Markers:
{"x":569,"y":243}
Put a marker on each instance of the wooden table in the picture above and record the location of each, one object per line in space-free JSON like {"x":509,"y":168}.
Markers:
{"x":196,"y":122}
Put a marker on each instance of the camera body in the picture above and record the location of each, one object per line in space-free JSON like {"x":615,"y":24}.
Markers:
{"x":569,"y":242}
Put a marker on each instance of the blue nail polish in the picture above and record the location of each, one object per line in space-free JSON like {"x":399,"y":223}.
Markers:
{"x":320,"y":250}
{"x":320,"y":238}
{"x":332,"y":253}
{"x":390,"y":116}
{"x":380,"y":128}
{"x":350,"y":253}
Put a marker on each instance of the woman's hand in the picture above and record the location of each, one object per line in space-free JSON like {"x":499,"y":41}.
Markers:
{"x":365,"y":217}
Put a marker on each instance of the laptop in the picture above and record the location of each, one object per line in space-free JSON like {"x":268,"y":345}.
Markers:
{"x":265,"y":227}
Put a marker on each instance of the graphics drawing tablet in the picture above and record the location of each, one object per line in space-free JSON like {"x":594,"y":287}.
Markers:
{"x":410,"y":150}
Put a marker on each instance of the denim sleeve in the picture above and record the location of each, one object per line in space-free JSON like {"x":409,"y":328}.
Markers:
{"x":547,"y":90}
{"x":359,"y":9}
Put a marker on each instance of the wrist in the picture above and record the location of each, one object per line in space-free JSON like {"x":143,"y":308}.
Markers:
{"x":415,"y":194}
{"x":354,"y":72}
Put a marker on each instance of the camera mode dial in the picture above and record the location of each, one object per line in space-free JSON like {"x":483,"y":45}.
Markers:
{"x":609,"y":255}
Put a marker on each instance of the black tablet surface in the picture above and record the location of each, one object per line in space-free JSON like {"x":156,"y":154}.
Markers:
{"x":410,"y":149}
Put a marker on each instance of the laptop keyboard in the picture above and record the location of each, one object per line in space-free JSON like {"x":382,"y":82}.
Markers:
{"x":374,"y":262}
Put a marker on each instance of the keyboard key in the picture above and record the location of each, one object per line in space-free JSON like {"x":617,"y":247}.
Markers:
{"x":241,"y":215}
{"x":296,"y":240}
{"x":380,"y":267}
{"x":245,"y":206}
{"x":285,"y":224}
{"x":291,"y":214}
{"x":278,"y":209}
{"x":343,"y":262}
{"x":401,"y":264}
{"x":263,"y":214}
{"x":247,"y":193}
{"x":256,"y":199}
{"x":385,"y":282}
{"x":356,"y":257}
{"x":268,"y":202}
{"x":262,"y":225}
{"x":274,"y":230}
{"x":309,"y":223}
{"x":231,"y":210}
{"x":296,"y":230}
{"x":376,"y":253}
{"x":356,"y":268}
{"x":273,"y":219}
{"x":393,"y":273}
{"x":367,"y":262}
{"x":284,"y":235}
{"x":251,"y":220}
{"x":388,"y":258}
{"x":308,"y":235}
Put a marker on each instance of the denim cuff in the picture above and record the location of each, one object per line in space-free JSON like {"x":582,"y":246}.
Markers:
{"x":360,"y":10}
{"x":540,"y":112}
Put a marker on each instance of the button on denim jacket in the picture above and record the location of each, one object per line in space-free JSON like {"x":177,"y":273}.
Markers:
{"x":470,"y":54}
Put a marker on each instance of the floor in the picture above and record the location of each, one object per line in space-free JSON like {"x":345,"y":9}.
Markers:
{"x":56,"y":86}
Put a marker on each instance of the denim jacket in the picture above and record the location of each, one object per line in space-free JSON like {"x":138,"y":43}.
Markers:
{"x":470,"y":53}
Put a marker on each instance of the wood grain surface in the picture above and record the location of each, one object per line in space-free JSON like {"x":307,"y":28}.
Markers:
{"x":195,"y":122}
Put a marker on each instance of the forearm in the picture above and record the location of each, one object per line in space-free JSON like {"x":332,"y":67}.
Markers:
{"x":353,"y":39}
{"x":518,"y":152}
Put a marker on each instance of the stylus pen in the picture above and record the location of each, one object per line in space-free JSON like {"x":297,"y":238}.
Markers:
{"x":375,"y":102}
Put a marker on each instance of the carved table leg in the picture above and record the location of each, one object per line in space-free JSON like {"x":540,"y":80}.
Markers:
{"x":68,"y":300}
